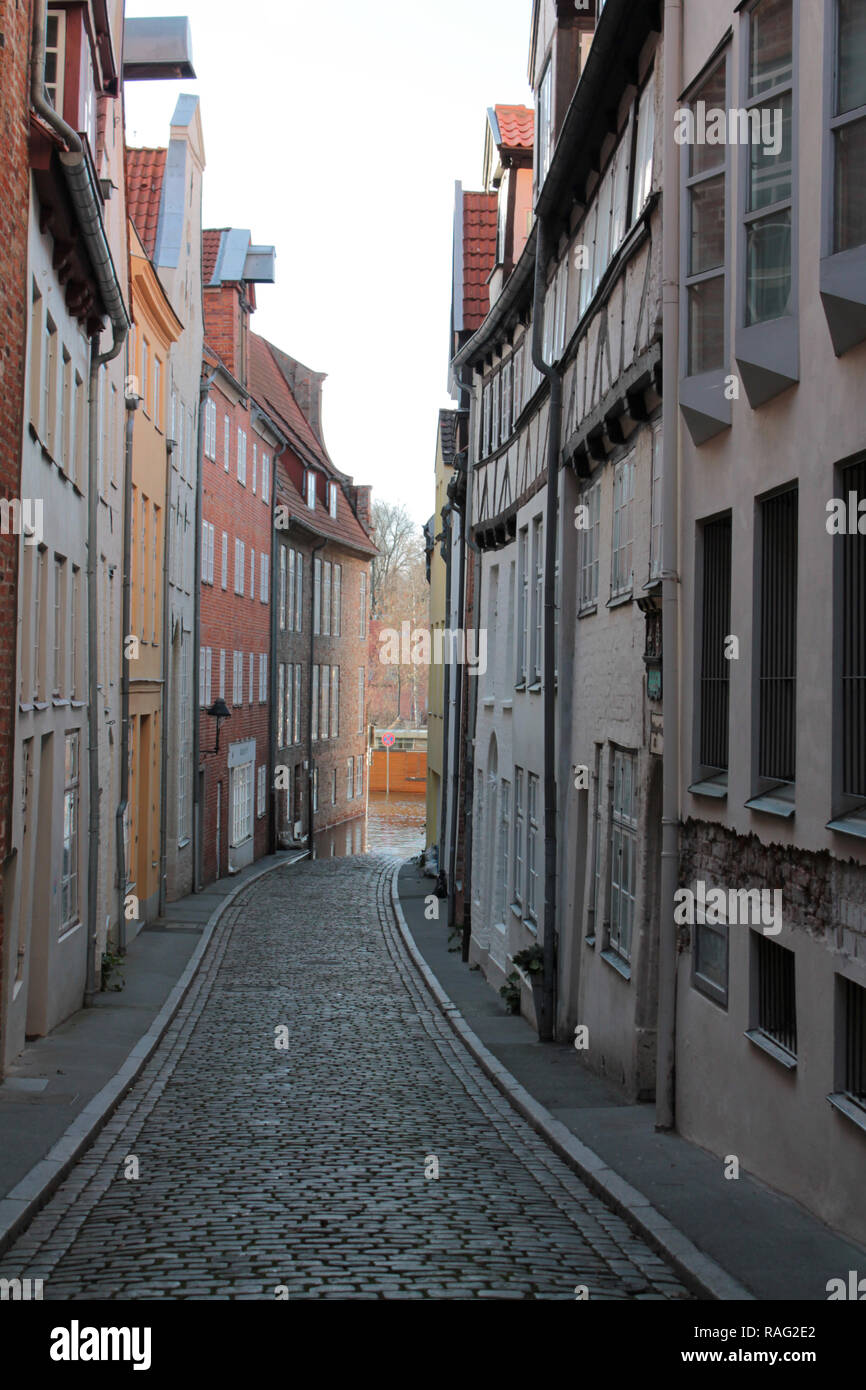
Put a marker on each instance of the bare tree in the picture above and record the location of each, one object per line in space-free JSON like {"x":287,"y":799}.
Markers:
{"x":395,"y":533}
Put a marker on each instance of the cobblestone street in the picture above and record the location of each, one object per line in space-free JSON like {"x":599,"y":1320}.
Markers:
{"x":308,"y":1166}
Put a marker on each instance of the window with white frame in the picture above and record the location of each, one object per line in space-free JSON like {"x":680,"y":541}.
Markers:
{"x":264,"y":573}
{"x":537,"y":598}
{"x":594,"y":901}
{"x":225,"y":559}
{"x":227,"y":442}
{"x":518,"y":838}
{"x":242,"y":456}
{"x":359,"y":777}
{"x":495,"y":421}
{"x":253,"y":575}
{"x":222,"y":673}
{"x":242,"y":803}
{"x":261,"y":799}
{"x":237,"y":678}
{"x":588,"y":539}
{"x":644,"y":141}
{"x":518,"y":360}
{"x":204,"y":676}
{"x":282,"y":590}
{"x":325,"y":675}
{"x":317,"y":596}
{"x":706,"y":210}
{"x":281,"y":705}
{"x":560,"y":311}
{"x":289,"y":703}
{"x":335,"y":701}
{"x":240,"y":560}
{"x":362,"y":618}
{"x":263,"y":677}
{"x":184,"y":737}
{"x":622,"y":578}
{"x":314,"y":716}
{"x":532,"y":849}
{"x":485,"y":419}
{"x":252,"y":676}
{"x":848,"y":126}
{"x":333,"y":786}
{"x":338,"y":601}
{"x":543,"y":128}
{"x":255,"y":464}
{"x":769,"y":91}
{"x":315,"y":789}
{"x":297,"y":719}
{"x":332,"y":499}
{"x":623,"y":853}
{"x":266,"y":477}
{"x":507,"y":396}
{"x":69,"y":907}
{"x":299,"y":588}
{"x":207,"y":552}
{"x":362,"y":677}
{"x":522,"y":605}
{"x":311,"y":489}
{"x":210,"y":427}
{"x":326,"y":598}
{"x":656,"y":506}
{"x":350,"y":781}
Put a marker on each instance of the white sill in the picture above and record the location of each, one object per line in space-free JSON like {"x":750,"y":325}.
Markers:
{"x":535,"y":688}
{"x":849,"y":1107}
{"x":771,"y":804}
{"x":853,"y":823}
{"x":517,"y":910}
{"x":508,"y":704}
{"x":711,"y":786}
{"x":617,"y":963}
{"x":617,"y":600}
{"x":589,"y":941}
{"x":786,"y":1059}
{"x":530,"y":925}
{"x":588,"y":611}
{"x":182,"y":844}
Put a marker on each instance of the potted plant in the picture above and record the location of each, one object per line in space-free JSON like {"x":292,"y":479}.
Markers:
{"x":510,"y":992}
{"x":531,"y":962}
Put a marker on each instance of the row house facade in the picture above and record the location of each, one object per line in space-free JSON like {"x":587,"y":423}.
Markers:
{"x":239,"y":442}
{"x":322,"y":550}
{"x":770,"y":1028}
{"x":674,"y":699}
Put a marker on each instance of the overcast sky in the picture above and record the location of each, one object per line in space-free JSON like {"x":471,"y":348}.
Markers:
{"x":334,"y":130}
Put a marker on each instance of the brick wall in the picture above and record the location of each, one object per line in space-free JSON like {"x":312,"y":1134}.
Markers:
{"x":231,"y":622}
{"x":14,"y":202}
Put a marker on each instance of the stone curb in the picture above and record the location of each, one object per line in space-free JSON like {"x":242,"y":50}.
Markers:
{"x":20,"y":1205}
{"x":699,"y":1272}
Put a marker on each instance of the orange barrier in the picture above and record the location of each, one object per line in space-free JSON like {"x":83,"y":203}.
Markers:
{"x":408,"y":772}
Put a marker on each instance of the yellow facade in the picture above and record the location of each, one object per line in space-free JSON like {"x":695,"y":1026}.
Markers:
{"x":155,"y":329}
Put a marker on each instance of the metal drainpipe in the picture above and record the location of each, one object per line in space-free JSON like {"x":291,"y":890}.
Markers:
{"x":442,"y":876}
{"x":163,"y":802}
{"x":471,"y":713}
{"x":197,"y":829}
{"x":313,"y":553}
{"x":132,"y":403}
{"x":548,"y":998}
{"x":666,"y":1057}
{"x":272,"y":672}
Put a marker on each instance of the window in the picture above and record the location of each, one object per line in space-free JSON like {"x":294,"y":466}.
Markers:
{"x":852,"y":647}
{"x":710,"y":961}
{"x":209,"y":430}
{"x":623,"y":496}
{"x":504,"y":874}
{"x":537,"y":598}
{"x":242,"y":456}
{"x":769,"y":183}
{"x":518,"y":381}
{"x":848,"y":126}
{"x":55,"y":57}
{"x":264,"y":572}
{"x":145,"y":376}
{"x":523,"y":605}
{"x":225,"y":558}
{"x":157,"y":392}
{"x":239,"y":567}
{"x":297,"y":712}
{"x":532,"y":851}
{"x":325,"y":730}
{"x":49,"y":391}
{"x":222,"y":673}
{"x":332,"y":499}
{"x":59,"y":679}
{"x":656,"y":502}
{"x":255,"y":464}
{"x":623,"y":853}
{"x":362,"y":620}
{"x":253,"y":575}
{"x":588,"y":546}
{"x":494,"y":416}
{"x":69,"y":866}
{"x":74,"y":630}
{"x":778,"y":640}
{"x":311,"y":489}
{"x":266,"y":477}
{"x":334,"y":787}
{"x":518,"y":838}
{"x":705,"y":267}
{"x":643,"y":163}
{"x":317,"y":596}
{"x":252,"y":676}
{"x":350,"y":787}
{"x":299,"y":588}
{"x":543,"y":128}
{"x":715,"y":626}
{"x":207,"y":550}
{"x":237,"y":678}
{"x":359,"y":777}
{"x":227,"y":443}
{"x":594,"y":905}
{"x":289,"y":703}
{"x":242,"y":803}
{"x":854,"y":1065}
{"x":362,"y":676}
{"x":261,"y":799}
{"x":281,"y":599}
{"x":335,"y":701}
{"x":560,"y":321}
{"x":326,"y":599}
{"x":507,"y":397}
{"x":208,"y":672}
{"x":314,"y":716}
{"x":281,"y":705}
{"x":485,"y":420}
{"x":338,"y":600}
{"x":263,"y":678}
{"x":290,"y":797}
{"x":315,"y":789}
{"x":183,"y":756}
{"x":777,"y":1004}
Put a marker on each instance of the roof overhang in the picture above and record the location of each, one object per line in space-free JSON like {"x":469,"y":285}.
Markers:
{"x":157,"y":50}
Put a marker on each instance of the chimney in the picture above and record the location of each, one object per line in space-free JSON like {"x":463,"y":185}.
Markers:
{"x":361,"y":502}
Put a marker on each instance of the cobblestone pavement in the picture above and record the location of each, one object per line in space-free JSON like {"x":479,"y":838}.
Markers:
{"x":307,"y":1167}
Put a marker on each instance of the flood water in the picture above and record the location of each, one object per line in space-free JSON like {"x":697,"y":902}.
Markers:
{"x":394,"y":825}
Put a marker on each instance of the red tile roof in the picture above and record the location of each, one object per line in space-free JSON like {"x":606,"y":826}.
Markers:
{"x":479,"y":255}
{"x":210,"y":249}
{"x":144,"y":173}
{"x":270,"y":388}
{"x":516,"y":126}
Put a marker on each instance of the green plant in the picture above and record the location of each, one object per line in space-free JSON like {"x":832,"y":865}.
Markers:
{"x":510,"y":992}
{"x":531,"y":960}
{"x":455,"y":939}
{"x":110,"y":965}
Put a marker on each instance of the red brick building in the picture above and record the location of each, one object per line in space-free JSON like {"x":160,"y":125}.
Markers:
{"x":322,"y":553}
{"x":238,"y":448}
{"x":14,"y":203}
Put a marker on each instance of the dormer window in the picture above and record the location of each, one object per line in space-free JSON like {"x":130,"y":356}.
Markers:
{"x":311,"y":489}
{"x":543,"y":129}
{"x":332,"y":499}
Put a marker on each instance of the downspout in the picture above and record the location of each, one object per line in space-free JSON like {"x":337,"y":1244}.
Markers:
{"x":471,"y":707}
{"x":273,"y":713}
{"x":548,"y":996}
{"x":442,"y":878}
{"x":166,"y":648}
{"x":197,"y":829}
{"x":88,"y":210}
{"x":313,"y":553}
{"x":666,"y":1058}
{"x":132,"y":404}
